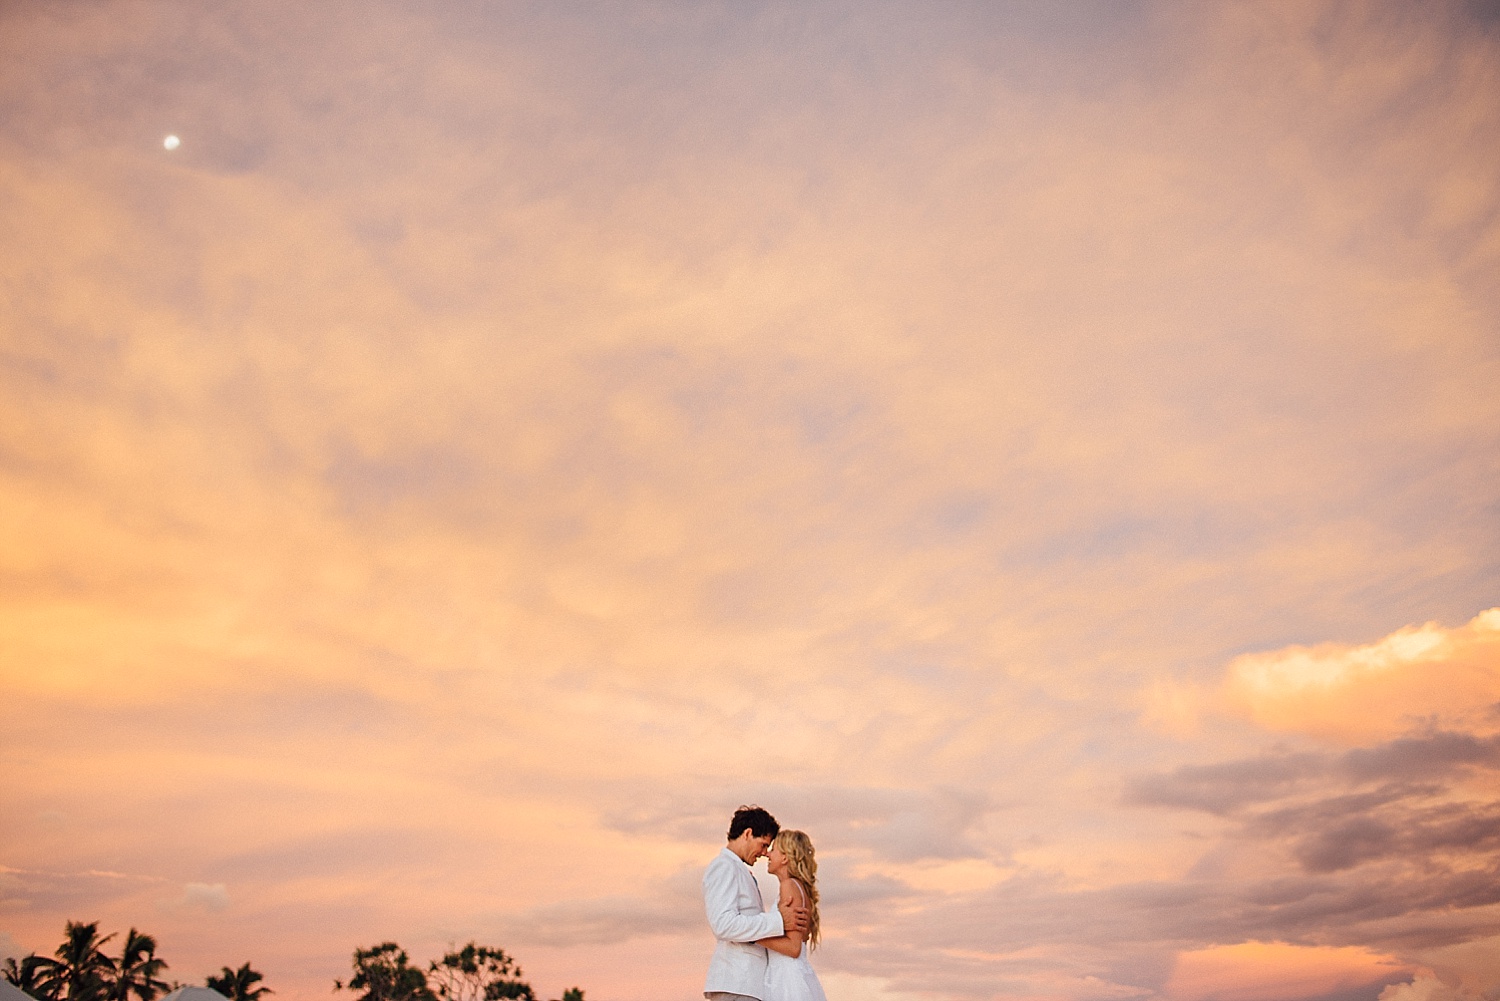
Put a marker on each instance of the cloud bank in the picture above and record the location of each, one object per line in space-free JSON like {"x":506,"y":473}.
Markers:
{"x":1046,"y":453}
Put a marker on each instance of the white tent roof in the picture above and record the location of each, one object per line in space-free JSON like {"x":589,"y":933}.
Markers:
{"x":10,"y":992}
{"x":195,"y":994}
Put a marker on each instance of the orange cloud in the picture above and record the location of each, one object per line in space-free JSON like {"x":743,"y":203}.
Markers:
{"x":1275,"y":971}
{"x":1374,"y":691}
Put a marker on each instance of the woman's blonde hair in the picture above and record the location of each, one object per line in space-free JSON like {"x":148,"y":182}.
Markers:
{"x":802,"y":865}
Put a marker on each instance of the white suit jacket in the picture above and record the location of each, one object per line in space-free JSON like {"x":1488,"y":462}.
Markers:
{"x":732,"y":900}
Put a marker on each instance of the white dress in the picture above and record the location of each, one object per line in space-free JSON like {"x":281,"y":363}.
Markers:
{"x":789,"y":979}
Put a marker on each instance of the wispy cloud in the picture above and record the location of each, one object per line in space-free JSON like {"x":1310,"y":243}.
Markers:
{"x":203,"y":897}
{"x":1019,"y":445}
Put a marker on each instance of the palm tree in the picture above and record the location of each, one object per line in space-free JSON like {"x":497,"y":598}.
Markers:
{"x":138,"y":967}
{"x":239,"y":985}
{"x":81,"y":971}
{"x":26,"y":975}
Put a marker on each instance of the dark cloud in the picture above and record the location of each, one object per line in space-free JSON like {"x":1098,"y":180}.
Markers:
{"x":1362,"y":992}
{"x":1427,"y":756}
{"x":1224,"y":788}
{"x":1397,"y":821}
{"x":1384,"y":847}
{"x":1231,"y":787}
{"x":1353,"y":841}
{"x":1333,"y":813}
{"x":1035,"y":922}
{"x":1485,"y":12}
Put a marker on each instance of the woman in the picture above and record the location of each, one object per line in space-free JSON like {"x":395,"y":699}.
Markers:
{"x":789,"y":976}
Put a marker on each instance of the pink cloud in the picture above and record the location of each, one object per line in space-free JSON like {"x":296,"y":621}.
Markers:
{"x":1277,"y":971}
{"x":502,"y":439}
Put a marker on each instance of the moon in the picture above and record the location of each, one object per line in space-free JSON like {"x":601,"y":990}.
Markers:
{"x":171,"y":142}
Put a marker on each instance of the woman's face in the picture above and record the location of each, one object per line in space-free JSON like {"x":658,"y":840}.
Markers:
{"x":776,"y":861}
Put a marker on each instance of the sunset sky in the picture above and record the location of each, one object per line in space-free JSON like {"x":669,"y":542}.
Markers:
{"x":1049,"y":452}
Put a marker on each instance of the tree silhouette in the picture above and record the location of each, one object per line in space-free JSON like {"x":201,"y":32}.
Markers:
{"x":478,"y":973}
{"x":136,"y":970}
{"x":81,"y":971}
{"x":384,"y":973}
{"x":26,"y":975}
{"x":238,"y":985}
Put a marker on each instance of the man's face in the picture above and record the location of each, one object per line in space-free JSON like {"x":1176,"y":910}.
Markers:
{"x":749,"y":847}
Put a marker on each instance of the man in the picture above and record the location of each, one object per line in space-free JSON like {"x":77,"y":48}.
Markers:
{"x":737,"y":971}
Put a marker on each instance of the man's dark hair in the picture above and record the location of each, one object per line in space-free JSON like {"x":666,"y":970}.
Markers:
{"x":759,"y":821}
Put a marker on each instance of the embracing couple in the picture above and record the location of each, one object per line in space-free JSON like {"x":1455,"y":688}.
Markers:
{"x":762,"y":956}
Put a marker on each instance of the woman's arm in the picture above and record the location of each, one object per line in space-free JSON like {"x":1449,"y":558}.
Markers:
{"x":789,"y":944}
{"x":784,"y":945}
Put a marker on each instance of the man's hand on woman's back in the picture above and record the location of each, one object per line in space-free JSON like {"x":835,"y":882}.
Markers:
{"x":793,"y":917}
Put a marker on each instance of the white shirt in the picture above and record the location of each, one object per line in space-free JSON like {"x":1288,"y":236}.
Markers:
{"x":732,"y":899}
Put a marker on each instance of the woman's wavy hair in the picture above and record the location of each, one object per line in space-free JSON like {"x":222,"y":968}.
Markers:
{"x":802,"y":865}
